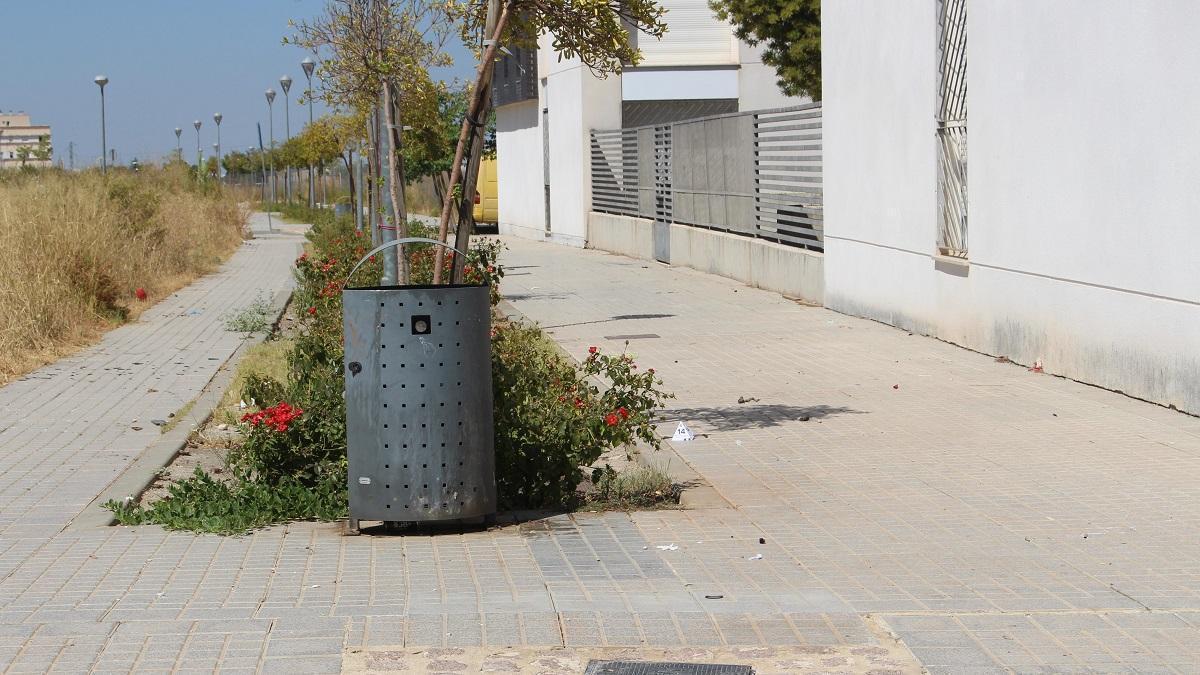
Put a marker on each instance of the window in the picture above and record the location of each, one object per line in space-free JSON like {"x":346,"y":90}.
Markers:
{"x":952,"y":127}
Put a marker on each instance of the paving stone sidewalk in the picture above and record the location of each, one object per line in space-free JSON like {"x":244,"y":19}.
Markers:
{"x":994,"y":517}
{"x":950,"y":511}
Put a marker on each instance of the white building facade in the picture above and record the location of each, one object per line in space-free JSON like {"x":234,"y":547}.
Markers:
{"x":1081,"y":245}
{"x":542,"y":132}
{"x":19,"y":138}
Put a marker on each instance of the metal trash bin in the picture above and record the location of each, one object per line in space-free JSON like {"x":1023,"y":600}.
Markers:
{"x":419,"y":431}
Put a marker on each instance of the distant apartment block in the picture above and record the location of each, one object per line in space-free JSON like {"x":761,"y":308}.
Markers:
{"x":21,"y":141}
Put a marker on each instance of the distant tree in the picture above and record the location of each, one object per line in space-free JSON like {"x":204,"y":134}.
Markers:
{"x":43,"y":151}
{"x":791,"y":33}
{"x":23,"y":153}
{"x":326,"y":140}
{"x":379,"y":53}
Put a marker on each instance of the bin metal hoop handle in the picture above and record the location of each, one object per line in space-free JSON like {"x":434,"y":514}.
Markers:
{"x":397,"y":242}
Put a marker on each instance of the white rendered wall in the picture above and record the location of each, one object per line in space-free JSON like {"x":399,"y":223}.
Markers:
{"x":757,"y":82}
{"x":578,"y":101}
{"x":1082,"y":235}
{"x":519,"y":169}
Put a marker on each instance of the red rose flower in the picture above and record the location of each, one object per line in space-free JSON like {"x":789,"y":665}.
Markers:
{"x":592,"y":350}
{"x":611,"y":419}
{"x":623,"y":412}
{"x":312,"y":310}
{"x":140,"y":293}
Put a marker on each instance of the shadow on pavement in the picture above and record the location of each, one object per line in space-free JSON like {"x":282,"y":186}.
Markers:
{"x":740,"y":417}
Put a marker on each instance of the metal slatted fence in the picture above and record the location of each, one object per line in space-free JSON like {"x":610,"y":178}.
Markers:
{"x":787,"y":176}
{"x":756,"y":174}
{"x":615,"y":172}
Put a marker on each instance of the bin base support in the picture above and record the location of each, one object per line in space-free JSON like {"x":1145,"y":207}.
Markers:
{"x":352,"y":527}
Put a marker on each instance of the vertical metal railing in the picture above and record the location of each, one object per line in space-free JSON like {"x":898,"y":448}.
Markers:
{"x":952,"y":127}
{"x":756,"y":174}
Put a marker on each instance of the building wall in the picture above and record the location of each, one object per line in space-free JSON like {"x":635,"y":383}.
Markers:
{"x":17,"y":131}
{"x":757,"y":83}
{"x":1081,"y":175}
{"x":578,"y":101}
{"x":520,"y":175}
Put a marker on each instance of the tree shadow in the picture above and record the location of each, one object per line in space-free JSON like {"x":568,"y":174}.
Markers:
{"x":742,"y":417}
{"x":619,"y":317}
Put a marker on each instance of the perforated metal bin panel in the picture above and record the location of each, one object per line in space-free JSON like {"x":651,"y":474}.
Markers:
{"x":419,"y":403}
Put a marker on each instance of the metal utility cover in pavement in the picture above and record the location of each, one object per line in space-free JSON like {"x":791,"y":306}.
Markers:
{"x":419,"y":403}
{"x":663,"y":668}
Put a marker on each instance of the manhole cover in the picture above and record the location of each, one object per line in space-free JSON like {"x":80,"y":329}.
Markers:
{"x":663,"y":668}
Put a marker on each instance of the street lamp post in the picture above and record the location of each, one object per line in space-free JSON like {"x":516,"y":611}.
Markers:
{"x":270,"y":93}
{"x":199,"y":154}
{"x":308,"y":65}
{"x":178,"y":146}
{"x":217,"y":117}
{"x":101,"y":81}
{"x":286,"y":83}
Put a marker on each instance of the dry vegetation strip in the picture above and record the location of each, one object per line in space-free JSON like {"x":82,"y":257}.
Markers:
{"x":75,"y":248}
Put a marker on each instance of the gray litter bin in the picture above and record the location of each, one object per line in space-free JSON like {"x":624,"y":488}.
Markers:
{"x":418,"y":401}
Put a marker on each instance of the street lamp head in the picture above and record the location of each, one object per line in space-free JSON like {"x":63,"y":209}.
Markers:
{"x":101,"y":80}
{"x":270,"y":96}
{"x":217,"y":117}
{"x":308,"y":65}
{"x":286,"y":83}
{"x":178,"y":131}
{"x":196,"y":124}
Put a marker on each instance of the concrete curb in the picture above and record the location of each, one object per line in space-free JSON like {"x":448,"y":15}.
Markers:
{"x":695,"y":491}
{"x":142,"y":471}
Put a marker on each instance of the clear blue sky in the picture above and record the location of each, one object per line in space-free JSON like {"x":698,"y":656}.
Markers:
{"x":168,"y":62}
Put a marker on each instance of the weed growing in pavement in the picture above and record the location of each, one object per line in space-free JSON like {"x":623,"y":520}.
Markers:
{"x":636,"y":487}
{"x":251,"y":319}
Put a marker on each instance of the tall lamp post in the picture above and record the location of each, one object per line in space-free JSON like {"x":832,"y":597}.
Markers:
{"x":217,"y":146}
{"x":286,"y":83}
{"x":308,"y":65}
{"x":178,"y":146}
{"x":270,"y":93}
{"x":199,"y":154}
{"x":101,"y":81}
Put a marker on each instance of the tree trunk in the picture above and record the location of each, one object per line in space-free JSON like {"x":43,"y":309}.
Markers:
{"x":466,"y":214}
{"x":478,"y":93}
{"x":391,"y":113}
{"x":347,"y":159}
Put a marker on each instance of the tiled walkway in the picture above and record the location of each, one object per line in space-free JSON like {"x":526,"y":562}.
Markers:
{"x":931,"y":491}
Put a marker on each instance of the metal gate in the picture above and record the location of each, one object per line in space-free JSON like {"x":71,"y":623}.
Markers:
{"x":662,"y":193}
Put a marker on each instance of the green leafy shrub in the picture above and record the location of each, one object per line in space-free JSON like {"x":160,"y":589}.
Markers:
{"x":552,"y":421}
{"x":205,"y":504}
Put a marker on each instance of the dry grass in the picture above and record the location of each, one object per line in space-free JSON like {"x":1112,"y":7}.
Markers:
{"x":76,"y":247}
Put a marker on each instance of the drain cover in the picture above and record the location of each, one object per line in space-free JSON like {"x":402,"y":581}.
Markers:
{"x":663,"y":668}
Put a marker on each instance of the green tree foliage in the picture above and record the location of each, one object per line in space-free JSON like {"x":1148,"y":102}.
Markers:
{"x":429,"y":147}
{"x":790,"y":30}
{"x":324,"y":141}
{"x":239,"y":163}
{"x":594,"y":31}
{"x":43,"y":151}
